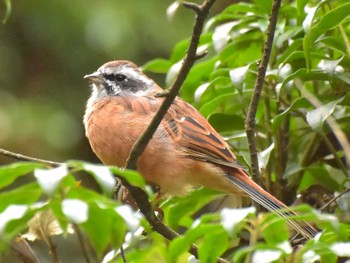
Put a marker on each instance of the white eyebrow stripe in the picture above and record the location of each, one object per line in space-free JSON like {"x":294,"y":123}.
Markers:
{"x":135,"y":74}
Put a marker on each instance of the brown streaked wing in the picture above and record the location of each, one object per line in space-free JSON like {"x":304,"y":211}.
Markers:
{"x":193,"y":132}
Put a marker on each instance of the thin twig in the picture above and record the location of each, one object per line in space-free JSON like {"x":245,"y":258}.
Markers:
{"x":52,"y":250}
{"x":24,"y":250}
{"x":334,"y":199}
{"x":84,"y":249}
{"x":27,"y":158}
{"x":122,"y":253}
{"x":336,"y":156}
{"x":250,"y":121}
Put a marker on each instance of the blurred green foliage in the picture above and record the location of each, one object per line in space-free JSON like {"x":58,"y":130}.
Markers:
{"x":304,"y":108}
{"x":46,"y":47}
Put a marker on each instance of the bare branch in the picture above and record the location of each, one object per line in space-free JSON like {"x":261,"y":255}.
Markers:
{"x":52,"y":250}
{"x":84,"y":248}
{"x":195,"y":7}
{"x":27,"y":158}
{"x":253,"y":106}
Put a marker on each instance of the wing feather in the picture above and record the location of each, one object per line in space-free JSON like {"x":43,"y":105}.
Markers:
{"x":193,"y":132}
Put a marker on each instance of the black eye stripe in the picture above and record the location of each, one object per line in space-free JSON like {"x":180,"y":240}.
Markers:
{"x":116,"y":77}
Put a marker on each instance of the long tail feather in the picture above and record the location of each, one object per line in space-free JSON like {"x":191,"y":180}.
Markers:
{"x":272,"y":204}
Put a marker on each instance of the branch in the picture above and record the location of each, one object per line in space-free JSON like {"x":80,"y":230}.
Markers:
{"x":84,"y":248}
{"x":27,"y":158}
{"x":334,"y":199}
{"x":140,"y":145}
{"x":253,"y":106}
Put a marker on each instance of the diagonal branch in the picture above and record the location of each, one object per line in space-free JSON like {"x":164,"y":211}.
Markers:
{"x":253,"y":106}
{"x":140,"y":145}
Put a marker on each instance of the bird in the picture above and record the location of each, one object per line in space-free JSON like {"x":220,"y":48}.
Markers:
{"x":184,"y":152}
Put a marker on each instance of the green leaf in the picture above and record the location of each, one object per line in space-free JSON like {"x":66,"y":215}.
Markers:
{"x":318,"y":175}
{"x":274,"y":229}
{"x":210,"y":107}
{"x":215,"y":243}
{"x":75,"y":210}
{"x":233,"y":12}
{"x":237,"y":76}
{"x":267,"y":255}
{"x":341,"y":249}
{"x":295,"y":56}
{"x":198,"y":75}
{"x":330,"y":65}
{"x":104,"y":226}
{"x":176,"y":247}
{"x":201,"y":230}
{"x":12,"y":212}
{"x":292,"y":169}
{"x":283,"y":58}
{"x":88,"y":195}
{"x":26,"y":194}
{"x":330,"y":20}
{"x":226,"y":123}
{"x":264,"y":5}
{"x":131,"y":217}
{"x":8,"y":5}
{"x":307,"y":24}
{"x":315,"y":118}
{"x":101,"y":173}
{"x":56,"y":208}
{"x":305,"y":75}
{"x":301,"y":5}
{"x":133,"y":177}
{"x":241,"y":7}
{"x":333,"y":43}
{"x":299,"y":103}
{"x":216,"y":86}
{"x":157,"y":66}
{"x":15,"y":219}
{"x":49,"y":179}
{"x":264,"y":156}
{"x":9,"y":173}
{"x":103,"y":176}
{"x":172,"y":9}
{"x":232,"y":218}
{"x":179,"y":210}
{"x":102,"y":222}
{"x":241,"y":53}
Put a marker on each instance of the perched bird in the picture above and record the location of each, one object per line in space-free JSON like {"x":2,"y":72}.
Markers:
{"x":184,"y":152}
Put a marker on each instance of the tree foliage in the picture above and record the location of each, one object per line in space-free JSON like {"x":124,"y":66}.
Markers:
{"x":302,"y":135}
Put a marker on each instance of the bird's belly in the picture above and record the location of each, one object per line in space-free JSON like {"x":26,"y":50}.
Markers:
{"x":160,"y":164}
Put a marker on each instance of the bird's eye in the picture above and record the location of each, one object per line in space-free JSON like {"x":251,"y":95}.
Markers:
{"x":116,"y":77}
{"x":119,"y":77}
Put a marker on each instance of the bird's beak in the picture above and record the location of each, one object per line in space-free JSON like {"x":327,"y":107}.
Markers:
{"x":95,"y":77}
